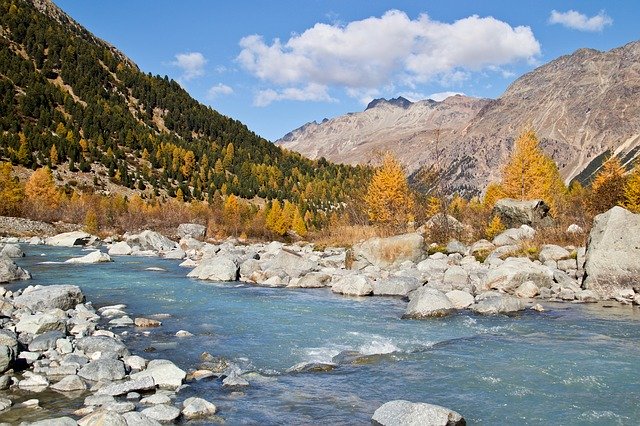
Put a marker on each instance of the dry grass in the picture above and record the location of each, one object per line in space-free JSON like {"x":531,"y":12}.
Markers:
{"x":346,"y":235}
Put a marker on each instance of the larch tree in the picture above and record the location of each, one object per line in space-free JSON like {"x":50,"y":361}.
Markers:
{"x":11,"y":192}
{"x":607,"y":188}
{"x":632,"y":190}
{"x":42,"y":193}
{"x":531,"y":174}
{"x":388,"y":199}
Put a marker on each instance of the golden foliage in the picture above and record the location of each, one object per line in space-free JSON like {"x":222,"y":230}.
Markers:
{"x":632,"y":190}
{"x":493,"y":193}
{"x":388,"y":198}
{"x":42,"y":193}
{"x":494,"y":227}
{"x":91,"y":222}
{"x":11,"y":192}
{"x":607,"y":189}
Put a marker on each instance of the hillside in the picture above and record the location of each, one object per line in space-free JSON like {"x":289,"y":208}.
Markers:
{"x":74,"y":102}
{"x":583,"y":107}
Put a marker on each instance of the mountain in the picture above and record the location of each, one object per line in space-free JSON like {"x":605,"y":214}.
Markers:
{"x":583,"y":106}
{"x":73,"y":101}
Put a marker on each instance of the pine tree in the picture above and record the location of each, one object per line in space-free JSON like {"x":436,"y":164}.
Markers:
{"x":388,"y":198}
{"x":632,"y":190}
{"x":11,"y":192}
{"x":607,"y":188}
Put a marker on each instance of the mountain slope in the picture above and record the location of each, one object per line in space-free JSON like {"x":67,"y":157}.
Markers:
{"x":583,"y":107}
{"x":71,"y":100}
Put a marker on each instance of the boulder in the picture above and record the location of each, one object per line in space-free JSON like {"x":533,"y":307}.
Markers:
{"x":574,"y":229}
{"x":516,"y":270}
{"x":293,"y":264}
{"x":311,"y":367}
{"x":164,"y":373}
{"x":146,"y":322}
{"x":353,"y":285}
{"x":456,"y":277}
{"x":103,"y":417}
{"x":70,"y":239}
{"x":527,"y":290}
{"x":45,"y":341}
{"x":40,"y":323}
{"x":9,"y":271}
{"x":395,"y":286}
{"x":460,"y":299}
{"x":312,"y":280}
{"x":553,"y":252}
{"x":70,"y":384}
{"x":613,"y":253}
{"x":121,"y":248}
{"x":455,"y":246}
{"x":103,"y":369}
{"x":95,"y":256}
{"x":514,"y":235}
{"x":428,"y":302}
{"x":57,"y":421}
{"x":514,"y":213}
{"x":49,"y":297}
{"x":6,"y":358}
{"x":175,"y":254}
{"x":197,"y":408}
{"x":405,"y":413}
{"x":389,"y":252}
{"x":104,"y":344}
{"x":150,"y":240}
{"x":135,"y":418}
{"x":12,"y":251}
{"x":218,"y":268}
{"x":162,"y":412}
{"x":497,"y":303}
{"x":193,"y":230}
{"x":441,"y":222}
{"x":117,"y":389}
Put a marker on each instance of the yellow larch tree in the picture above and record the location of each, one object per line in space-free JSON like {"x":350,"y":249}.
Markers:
{"x":298,"y":225}
{"x":11,"y":192}
{"x":42,"y":193}
{"x":231,"y":213}
{"x":388,"y":199}
{"x":607,"y":188}
{"x":632,"y":190}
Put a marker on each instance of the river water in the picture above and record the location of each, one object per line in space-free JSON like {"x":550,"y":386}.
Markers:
{"x":573,"y":364}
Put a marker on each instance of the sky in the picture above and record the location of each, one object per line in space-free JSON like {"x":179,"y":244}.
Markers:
{"x":278,"y":64}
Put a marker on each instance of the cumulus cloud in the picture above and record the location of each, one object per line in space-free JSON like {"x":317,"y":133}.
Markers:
{"x":219,"y":90}
{"x":312,"y":92}
{"x":192,"y":65}
{"x":578,"y":21}
{"x":389,"y":50}
{"x":441,"y":96}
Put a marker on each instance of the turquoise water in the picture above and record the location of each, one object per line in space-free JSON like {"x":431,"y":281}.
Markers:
{"x":573,"y":364}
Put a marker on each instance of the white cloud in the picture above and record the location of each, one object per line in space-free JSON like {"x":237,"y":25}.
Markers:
{"x":390,"y":50}
{"x":441,"y":96}
{"x":192,"y":65}
{"x":578,"y":21}
{"x":219,"y":90}
{"x":312,"y":92}
{"x":414,"y":96}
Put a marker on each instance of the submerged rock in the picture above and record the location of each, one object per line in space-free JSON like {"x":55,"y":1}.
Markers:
{"x":311,"y":367}
{"x":405,"y":413}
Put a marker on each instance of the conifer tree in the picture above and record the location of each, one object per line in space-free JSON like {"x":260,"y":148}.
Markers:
{"x":11,"y":192}
{"x":632,"y":190}
{"x":607,"y":188}
{"x":42,"y":194}
{"x":53,"y":155}
{"x":298,"y":225}
{"x":388,"y":198}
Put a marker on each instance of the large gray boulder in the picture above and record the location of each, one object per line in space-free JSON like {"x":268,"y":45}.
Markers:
{"x":218,"y":268}
{"x":163,"y":413}
{"x":428,"y":302}
{"x":9,"y":271}
{"x":150,"y":240}
{"x":553,"y":252}
{"x":121,"y":248}
{"x":103,"y":344}
{"x":12,"y":251}
{"x":70,"y":239}
{"x":116,"y":389}
{"x":95,"y":256}
{"x":6,"y":358}
{"x":49,"y":297}
{"x":405,"y":413}
{"x":312,"y":280}
{"x":193,"y":230}
{"x":197,"y":408}
{"x":613,"y":253}
{"x":391,"y":251}
{"x":514,"y":213}
{"x":40,"y":323}
{"x":496,"y":303}
{"x":293,"y":264}
{"x":395,"y":286}
{"x":515,"y":271}
{"x":353,"y":285}
{"x":164,"y":373}
{"x":103,"y":369}
{"x":514,"y":235}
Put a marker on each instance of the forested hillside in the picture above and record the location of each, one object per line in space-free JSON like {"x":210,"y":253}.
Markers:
{"x":70,"y":98}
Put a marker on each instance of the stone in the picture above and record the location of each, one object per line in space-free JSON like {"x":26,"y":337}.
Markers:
{"x":150,"y":240}
{"x":64,"y":346}
{"x":312,"y":367}
{"x":146,"y":322}
{"x":514,"y":213}
{"x":219,"y":268}
{"x":456,"y":277}
{"x":193,"y":230}
{"x":40,"y":323}
{"x":498,"y":304}
{"x":175,"y":254}
{"x":70,"y":384}
{"x":95,"y":256}
{"x":45,"y":341}
{"x":12,"y":251}
{"x":389,"y":252}
{"x":443,"y":223}
{"x":5,"y":403}
{"x":395,"y":286}
{"x":527,"y":290}
{"x":103,"y":344}
{"x":120,"y":407}
{"x":34,"y":381}
{"x":121,"y":248}
{"x":57,"y":421}
{"x":353,"y":285}
{"x":574,"y":229}
{"x":103,"y":369}
{"x":6,"y":358}
{"x":587,"y":296}
{"x":9,"y":271}
{"x":405,"y":413}
{"x":183,"y":333}
{"x":123,"y":388}
{"x":134,"y":418}
{"x":313,"y":280}
{"x":516,"y":270}
{"x":70,"y":239}
{"x":194,"y":408}
{"x":428,"y":302}
{"x":162,"y":412}
{"x":513,"y":236}
{"x":234,"y":380}
{"x":482,"y":247}
{"x":460,"y":299}
{"x":135,"y":362}
{"x":164,"y":372}
{"x":455,"y":246}
{"x":49,"y":297}
{"x":156,"y":398}
{"x":124,"y":321}
{"x":553,"y":252}
{"x":103,"y":417}
{"x":293,"y":264}
{"x":613,"y":253}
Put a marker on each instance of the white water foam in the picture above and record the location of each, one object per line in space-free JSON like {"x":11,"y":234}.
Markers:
{"x":378,"y":346}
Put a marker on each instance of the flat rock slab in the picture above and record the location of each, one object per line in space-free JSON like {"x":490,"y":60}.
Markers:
{"x":405,"y":413}
{"x":49,"y":297}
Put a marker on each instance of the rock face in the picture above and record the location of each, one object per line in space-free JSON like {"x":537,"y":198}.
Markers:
{"x":9,"y":271}
{"x":405,"y":413}
{"x":219,"y":268}
{"x":53,"y":296}
{"x":392,"y":251}
{"x":613,"y":253}
{"x":428,"y":303}
{"x":514,"y":213}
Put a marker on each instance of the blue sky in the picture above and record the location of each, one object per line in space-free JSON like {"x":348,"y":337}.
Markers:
{"x":276,"y":65}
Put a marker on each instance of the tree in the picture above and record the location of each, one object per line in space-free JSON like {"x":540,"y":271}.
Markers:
{"x":530,"y":174}
{"x":91,"y":222}
{"x":276,"y":221}
{"x":297,"y":224}
{"x":607,"y":188}
{"x":632,"y":190}
{"x":231,"y":213}
{"x":42,"y":194}
{"x":53,"y":155}
{"x":389,"y":200}
{"x":11,"y":192}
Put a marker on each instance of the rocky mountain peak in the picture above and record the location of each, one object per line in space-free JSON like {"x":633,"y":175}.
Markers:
{"x":400,"y":102}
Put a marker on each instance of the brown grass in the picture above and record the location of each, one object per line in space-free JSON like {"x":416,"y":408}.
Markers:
{"x":346,"y":235}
